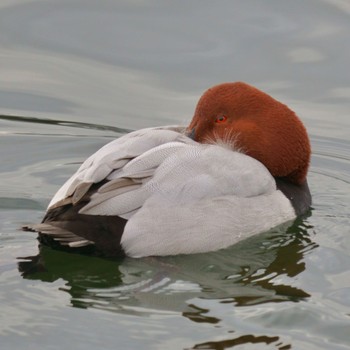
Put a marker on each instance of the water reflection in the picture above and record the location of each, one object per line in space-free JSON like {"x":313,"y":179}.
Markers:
{"x":241,"y":340}
{"x":259,"y":270}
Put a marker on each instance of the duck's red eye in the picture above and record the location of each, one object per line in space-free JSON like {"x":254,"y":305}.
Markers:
{"x":221,"y":119}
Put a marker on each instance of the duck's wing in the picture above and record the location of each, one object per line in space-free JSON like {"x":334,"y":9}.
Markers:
{"x":128,"y":188}
{"x":109,"y":161}
{"x":92,"y":207}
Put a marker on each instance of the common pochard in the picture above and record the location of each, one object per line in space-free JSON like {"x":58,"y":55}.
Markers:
{"x":237,"y":170}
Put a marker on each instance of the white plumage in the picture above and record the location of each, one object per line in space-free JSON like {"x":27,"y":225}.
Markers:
{"x":179,"y":196}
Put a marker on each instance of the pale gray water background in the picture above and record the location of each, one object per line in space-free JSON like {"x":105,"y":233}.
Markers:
{"x":76,"y":74}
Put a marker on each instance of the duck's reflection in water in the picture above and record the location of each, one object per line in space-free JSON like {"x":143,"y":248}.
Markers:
{"x":244,"y":340}
{"x":242,"y":275}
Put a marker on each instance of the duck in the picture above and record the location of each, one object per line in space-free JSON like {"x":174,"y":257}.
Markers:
{"x":238,"y":169}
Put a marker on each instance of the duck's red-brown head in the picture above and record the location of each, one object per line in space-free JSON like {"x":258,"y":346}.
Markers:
{"x":257,"y":124}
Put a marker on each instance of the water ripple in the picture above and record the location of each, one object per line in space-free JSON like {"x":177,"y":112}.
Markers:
{"x":80,"y":125}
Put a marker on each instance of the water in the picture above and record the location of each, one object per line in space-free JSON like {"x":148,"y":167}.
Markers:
{"x":76,"y":74}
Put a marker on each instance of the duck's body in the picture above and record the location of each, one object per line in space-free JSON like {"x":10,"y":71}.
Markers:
{"x":158,"y":192}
